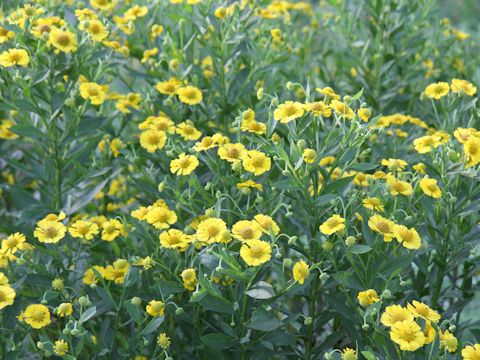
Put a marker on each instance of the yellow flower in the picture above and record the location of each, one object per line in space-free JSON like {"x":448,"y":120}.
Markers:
{"x":92,"y":91}
{"x":13,"y":243}
{"x":395,"y":164}
{"x":62,"y":40}
{"x":205,"y":144}
{"x":111,"y":229}
{"x":309,"y":156}
{"x":190,"y":95}
{"x":319,"y":108}
{"x":152,"y":140}
{"x":49,"y":232}
{"x":189,"y":278}
{"x":105,"y":5}
{"x":471,"y":148}
{"x":5,"y":130}
{"x":448,"y":341}
{"x":373,"y":204}
{"x":64,"y":309}
{"x":430,"y":187}
{"x":161,"y":217}
{"x":83,"y":229}
{"x":231,"y":152}
{"x":342,"y":109}
{"x":117,"y":271}
{"x":90,"y":277}
{"x":7,"y":295}
{"x":333,"y":224}
{"x":57,"y":284}
{"x":253,"y":127}
{"x":383,"y":226}
{"x":60,"y":348}
{"x":267,"y":224}
{"x":409,"y":238}
{"x":245,"y":230}
{"x":6,"y":35}
{"x":220,"y":12}
{"x":163,"y":341}
{"x":12,"y":57}
{"x":211,"y":230}
{"x":399,"y":187}
{"x":437,"y":90}
{"x":367,"y":297}
{"x":349,"y":354}
{"x":155,"y":308}
{"x":249,"y":184}
{"x":421,"y":310}
{"x":394,"y":314}
{"x":408,"y":335}
{"x":95,"y":28}
{"x":256,"y":252}
{"x":471,"y":352}
{"x":328,"y":92}
{"x":288,"y":111}
{"x":168,"y":87}
{"x":183,"y":165}
{"x":300,"y":271}
{"x":37,"y":316}
{"x":256,"y":162}
{"x":420,"y":168}
{"x":188,"y":131}
{"x":147,"y":54}
{"x":463,"y":86}
{"x":426,"y":144}
{"x":364,"y":114}
{"x":174,"y":239}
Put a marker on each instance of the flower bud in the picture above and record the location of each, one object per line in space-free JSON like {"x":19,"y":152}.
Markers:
{"x":308,"y":321}
{"x":76,"y":332}
{"x":292,"y":240}
{"x":84,"y":301}
{"x":40,"y":345}
{"x":289,"y":214}
{"x":351,"y":240}
{"x":452,"y":328}
{"x":365,"y":327}
{"x":161,"y":187}
{"x":168,"y":101}
{"x":452,"y":155}
{"x":327,"y":245}
{"x":260,"y":93}
{"x":44,"y":302}
{"x":246,"y":191}
{"x":21,"y":261}
{"x":324,"y":276}
{"x":70,"y":102}
{"x":136,"y":301}
{"x":278,"y":255}
{"x":301,"y":144}
{"x":386,"y":294}
{"x":287,"y":262}
{"x":179,"y":311}
{"x":285,"y":172}
{"x":210,"y":212}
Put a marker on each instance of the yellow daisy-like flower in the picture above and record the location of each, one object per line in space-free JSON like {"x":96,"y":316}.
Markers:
{"x":211,"y":230}
{"x":231,"y":152}
{"x":64,"y":309}
{"x":256,"y":252}
{"x":37,"y":316}
{"x":249,"y":184}
{"x":187,"y":131}
{"x":62,"y":40}
{"x":429,"y":187}
{"x":14,"y":57}
{"x":49,"y":231}
{"x":267,"y":224}
{"x":169,"y":87}
{"x":189,"y":278}
{"x":256,"y":162}
{"x":183,"y":165}
{"x":300,"y":271}
{"x":5,"y":35}
{"x":155,"y":308}
{"x":349,"y":354}
{"x":190,"y":95}
{"x":448,"y":341}
{"x":245,"y":230}
{"x":342,"y":109}
{"x":161,"y":217}
{"x":395,"y":164}
{"x":13,"y":243}
{"x":399,"y":187}
{"x":328,"y":92}
{"x":373,"y":204}
{"x":463,"y":86}
{"x":420,"y":168}
{"x":153,"y":140}
{"x":409,"y":238}
{"x":367,"y":297}
{"x":105,"y":5}
{"x":95,"y":28}
{"x":408,"y":335}
{"x":93,"y":92}
{"x":111,"y":229}
{"x":333,"y":224}
{"x":364,"y":114}
{"x":83,"y":229}
{"x":163,"y":341}
{"x":174,"y":239}
{"x":90,"y":277}
{"x":437,"y":90}
{"x":253,"y":126}
{"x":471,"y":148}
{"x":117,"y":271}
{"x":471,"y":352}
{"x":309,"y":156}
{"x":421,"y":310}
{"x":394,"y":314}
{"x":426,"y":144}
{"x":60,"y":348}
{"x":288,"y":111}
{"x":319,"y":108}
{"x":383,"y":226}
{"x":7,"y":295}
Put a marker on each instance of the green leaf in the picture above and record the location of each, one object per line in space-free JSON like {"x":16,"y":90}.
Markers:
{"x":217,"y":341}
{"x":264,"y":321}
{"x":261,"y":290}
{"x":89,"y":313}
{"x":368,"y":355}
{"x":359,"y":249}
{"x":153,"y":325}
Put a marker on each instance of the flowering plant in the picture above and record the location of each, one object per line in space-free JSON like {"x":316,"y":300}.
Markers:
{"x":248,"y":179}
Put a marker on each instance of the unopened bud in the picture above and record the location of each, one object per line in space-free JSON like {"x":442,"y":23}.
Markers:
{"x":308,"y":321}
{"x":136,"y":301}
{"x":351,"y":240}
{"x":179,"y":311}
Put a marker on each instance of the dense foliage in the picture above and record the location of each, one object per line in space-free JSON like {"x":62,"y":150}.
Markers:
{"x":250,"y":179}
